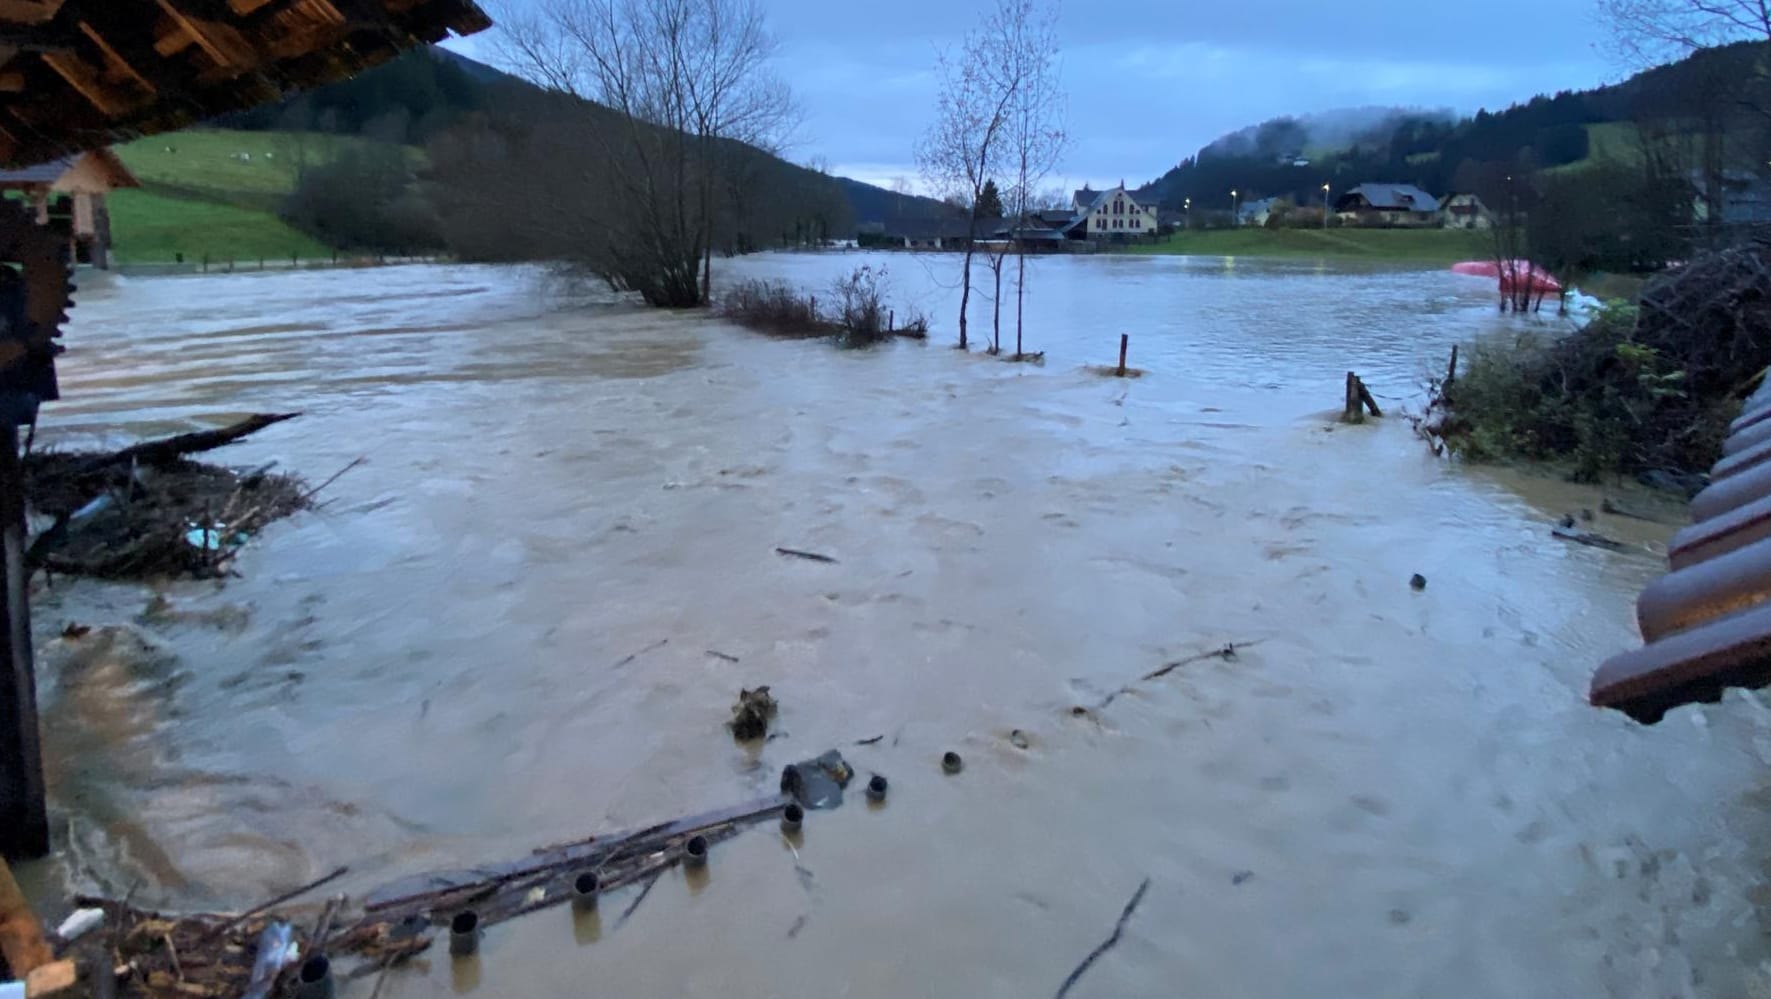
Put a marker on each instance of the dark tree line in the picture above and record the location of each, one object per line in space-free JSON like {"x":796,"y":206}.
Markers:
{"x":523,"y":184}
{"x":424,"y":91}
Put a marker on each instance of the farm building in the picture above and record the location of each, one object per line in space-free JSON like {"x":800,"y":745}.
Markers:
{"x":68,"y":196}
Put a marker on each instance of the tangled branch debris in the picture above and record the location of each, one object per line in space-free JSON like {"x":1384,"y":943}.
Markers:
{"x":211,"y":955}
{"x":752,"y":714}
{"x":147,"y":511}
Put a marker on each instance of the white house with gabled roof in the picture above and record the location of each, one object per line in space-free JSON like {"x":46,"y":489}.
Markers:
{"x":1106,"y":214}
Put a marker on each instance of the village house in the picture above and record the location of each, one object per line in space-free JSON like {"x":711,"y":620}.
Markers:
{"x":1743,"y":199}
{"x":1114,"y":214}
{"x":1256,"y":213}
{"x":68,"y":195}
{"x":1378,"y":205}
{"x":1465,"y":211}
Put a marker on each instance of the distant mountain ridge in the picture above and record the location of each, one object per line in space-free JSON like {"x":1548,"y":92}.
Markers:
{"x":1433,"y":149}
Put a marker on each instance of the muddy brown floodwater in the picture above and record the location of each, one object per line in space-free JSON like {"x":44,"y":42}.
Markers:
{"x":1396,"y":793}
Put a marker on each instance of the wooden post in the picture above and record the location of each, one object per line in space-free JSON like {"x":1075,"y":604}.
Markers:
{"x":1355,"y":408}
{"x":1124,"y":345}
{"x":1451,"y":372}
{"x":891,"y":320}
{"x":21,"y":936}
{"x":24,"y":832}
{"x":1365,"y":397}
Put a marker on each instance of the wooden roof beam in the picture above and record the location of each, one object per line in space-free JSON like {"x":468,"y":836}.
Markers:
{"x":189,"y":27}
{"x":29,"y":11}
{"x":85,"y":82}
{"x":116,"y":62}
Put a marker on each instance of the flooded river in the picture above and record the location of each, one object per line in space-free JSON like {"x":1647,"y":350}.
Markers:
{"x":501,"y":632}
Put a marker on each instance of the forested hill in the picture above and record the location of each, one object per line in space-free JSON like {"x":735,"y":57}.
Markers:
{"x":1290,"y":157}
{"x":421,"y":95}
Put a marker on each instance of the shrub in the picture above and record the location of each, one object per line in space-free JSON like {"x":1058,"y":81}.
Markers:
{"x":860,"y":305}
{"x":775,"y":309}
{"x":1599,"y":398}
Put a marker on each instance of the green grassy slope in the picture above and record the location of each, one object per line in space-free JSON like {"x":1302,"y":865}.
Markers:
{"x":1421,"y":246}
{"x":199,"y":197}
{"x":150,"y":227}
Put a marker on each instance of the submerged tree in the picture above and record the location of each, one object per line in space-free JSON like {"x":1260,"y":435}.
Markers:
{"x":690,"y":85}
{"x":1036,"y":127}
{"x":961,"y":153}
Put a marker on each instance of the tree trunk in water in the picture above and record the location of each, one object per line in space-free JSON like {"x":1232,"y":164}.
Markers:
{"x":1020,"y":296}
{"x":996,"y":311}
{"x":965,"y":294}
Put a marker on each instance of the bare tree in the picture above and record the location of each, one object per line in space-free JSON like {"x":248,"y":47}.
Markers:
{"x":1650,"y":30}
{"x":1714,"y":99}
{"x":963,"y":149}
{"x":690,"y":83}
{"x":1036,"y":126}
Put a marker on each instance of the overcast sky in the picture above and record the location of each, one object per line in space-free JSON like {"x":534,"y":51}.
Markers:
{"x":1152,"y":81}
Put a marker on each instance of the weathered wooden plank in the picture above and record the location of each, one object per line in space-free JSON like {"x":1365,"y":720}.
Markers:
{"x":21,"y":937}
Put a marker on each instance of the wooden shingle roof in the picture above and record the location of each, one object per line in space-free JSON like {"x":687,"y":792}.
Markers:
{"x":80,"y":74}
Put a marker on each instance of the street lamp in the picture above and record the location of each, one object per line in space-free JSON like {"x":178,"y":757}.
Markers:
{"x":1235,"y":212}
{"x":1187,"y":204}
{"x":1324,"y":206}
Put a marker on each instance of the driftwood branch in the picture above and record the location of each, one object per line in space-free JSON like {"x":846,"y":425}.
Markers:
{"x":167,"y":448}
{"x":292,"y":893}
{"x":808,"y":556}
{"x":655,"y":646}
{"x":1107,"y":944}
{"x":1227,"y":653}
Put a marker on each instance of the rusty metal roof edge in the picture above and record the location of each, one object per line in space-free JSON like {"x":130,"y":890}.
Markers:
{"x":1707,"y":622}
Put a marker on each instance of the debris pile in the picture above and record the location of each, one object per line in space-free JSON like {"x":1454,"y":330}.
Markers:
{"x":752,"y":714}
{"x":147,"y":511}
{"x":262,"y":951}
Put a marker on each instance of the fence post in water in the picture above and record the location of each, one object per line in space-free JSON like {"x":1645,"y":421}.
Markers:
{"x":1355,"y":409}
{"x":24,"y":834}
{"x":1124,"y":345}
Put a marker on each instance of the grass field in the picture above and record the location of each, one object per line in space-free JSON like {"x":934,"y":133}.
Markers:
{"x":1422,"y":246}
{"x":155,"y":228}
{"x":200,"y":197}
